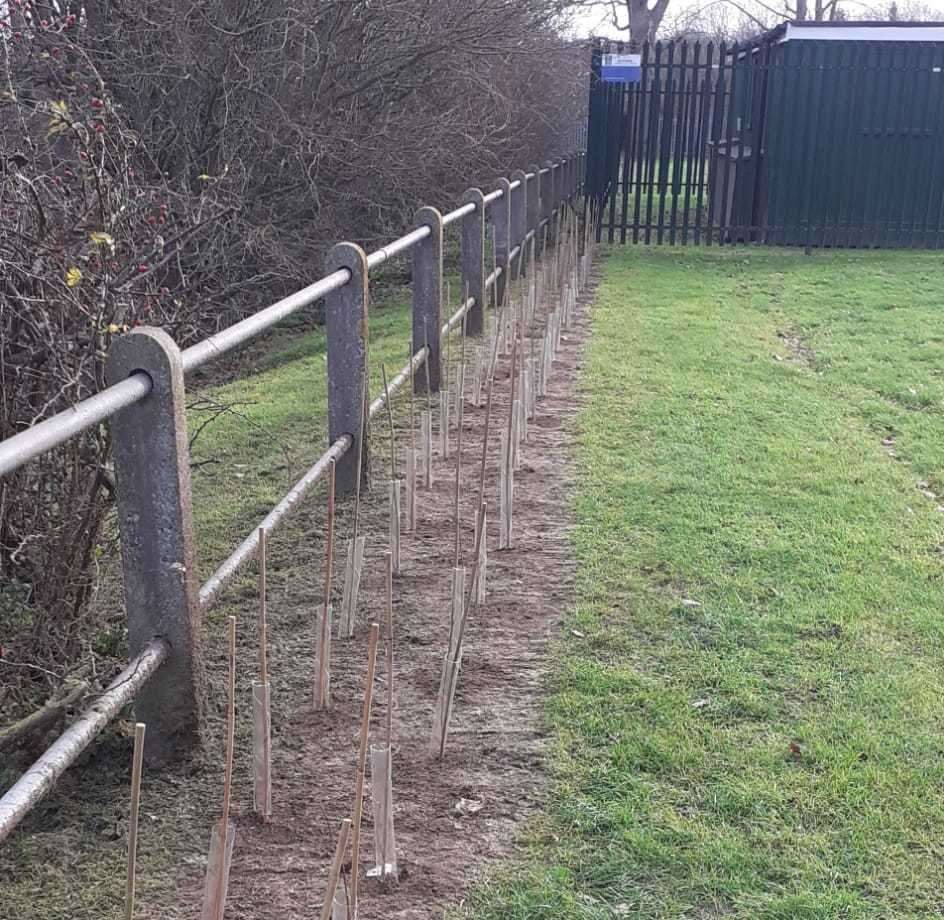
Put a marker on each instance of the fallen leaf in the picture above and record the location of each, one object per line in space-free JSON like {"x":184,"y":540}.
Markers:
{"x":688,"y":602}
{"x":466,"y":807}
{"x":699,"y":704}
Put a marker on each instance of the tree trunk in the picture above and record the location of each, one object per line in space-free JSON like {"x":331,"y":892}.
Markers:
{"x":644,"y":21}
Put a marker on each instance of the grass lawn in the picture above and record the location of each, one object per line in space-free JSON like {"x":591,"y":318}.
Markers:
{"x":746,"y":709}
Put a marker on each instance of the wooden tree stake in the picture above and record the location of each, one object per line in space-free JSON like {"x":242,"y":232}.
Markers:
{"x":224,"y":834}
{"x":323,"y":673}
{"x":136,"y":765}
{"x":335,"y":872}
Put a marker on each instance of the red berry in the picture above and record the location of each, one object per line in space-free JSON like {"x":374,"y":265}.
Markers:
{"x":54,"y":52}
{"x":152,"y":219}
{"x":142,"y":269}
{"x":100,"y":128}
{"x":97,"y":103}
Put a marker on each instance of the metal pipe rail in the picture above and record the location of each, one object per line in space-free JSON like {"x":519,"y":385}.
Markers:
{"x":247,"y":549}
{"x":345,"y":290}
{"x":42,"y":775}
{"x":397,"y":246}
{"x":239,"y":333}
{"x":459,"y":213}
{"x":18,"y":450}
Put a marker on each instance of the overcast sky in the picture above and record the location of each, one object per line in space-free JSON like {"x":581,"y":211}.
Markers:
{"x":597,"y":22}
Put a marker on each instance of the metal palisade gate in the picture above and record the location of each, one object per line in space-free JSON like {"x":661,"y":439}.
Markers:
{"x":804,"y":137}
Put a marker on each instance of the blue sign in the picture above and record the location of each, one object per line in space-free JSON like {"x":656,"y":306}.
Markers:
{"x":621,"y":68}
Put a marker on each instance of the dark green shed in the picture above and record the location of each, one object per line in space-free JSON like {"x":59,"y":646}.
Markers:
{"x":840,"y":126}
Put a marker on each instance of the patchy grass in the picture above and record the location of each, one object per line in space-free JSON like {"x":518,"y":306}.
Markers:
{"x":747,"y":721}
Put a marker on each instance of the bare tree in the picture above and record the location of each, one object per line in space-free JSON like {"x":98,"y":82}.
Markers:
{"x":640,"y":19}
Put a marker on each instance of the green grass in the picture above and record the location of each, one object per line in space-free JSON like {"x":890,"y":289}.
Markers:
{"x":747,"y":721}
{"x":276,"y":428}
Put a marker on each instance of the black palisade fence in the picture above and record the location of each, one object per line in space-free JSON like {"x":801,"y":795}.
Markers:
{"x":813,"y":142}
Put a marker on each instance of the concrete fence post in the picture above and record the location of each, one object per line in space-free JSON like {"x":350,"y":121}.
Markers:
{"x":473,"y":260}
{"x":427,"y":297}
{"x":556,"y":184}
{"x":152,"y":467}
{"x":519,"y":217}
{"x":534,"y":201}
{"x":347,"y":340}
{"x":501,"y":224}
{"x":547,"y":199}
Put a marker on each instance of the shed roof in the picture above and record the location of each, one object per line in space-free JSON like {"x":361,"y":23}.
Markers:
{"x":857,"y":32}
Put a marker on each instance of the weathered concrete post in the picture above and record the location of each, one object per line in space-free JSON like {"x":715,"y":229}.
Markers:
{"x":547,"y":199}
{"x":534,"y":201}
{"x":519,"y":217}
{"x":473,"y":260}
{"x":501,"y":224}
{"x":152,"y":466}
{"x":427,"y":296}
{"x":347,"y":331}
{"x":547,"y":203}
{"x":556,"y":184}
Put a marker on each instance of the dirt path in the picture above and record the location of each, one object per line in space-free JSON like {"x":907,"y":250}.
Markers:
{"x":494,"y":751}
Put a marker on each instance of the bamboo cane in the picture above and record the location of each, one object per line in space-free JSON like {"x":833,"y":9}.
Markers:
{"x":136,"y":767}
{"x":361,"y":763}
